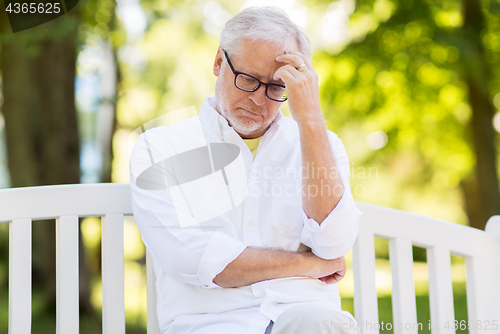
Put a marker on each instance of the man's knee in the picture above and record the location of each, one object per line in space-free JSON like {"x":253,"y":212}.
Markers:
{"x":313,"y":319}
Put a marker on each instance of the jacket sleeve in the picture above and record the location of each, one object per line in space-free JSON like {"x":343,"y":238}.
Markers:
{"x":191,"y":254}
{"x":338,"y":232}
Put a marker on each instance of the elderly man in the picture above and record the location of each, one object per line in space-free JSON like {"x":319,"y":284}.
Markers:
{"x":268,"y":263}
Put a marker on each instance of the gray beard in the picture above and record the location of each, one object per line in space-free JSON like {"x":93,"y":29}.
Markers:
{"x":242,"y":125}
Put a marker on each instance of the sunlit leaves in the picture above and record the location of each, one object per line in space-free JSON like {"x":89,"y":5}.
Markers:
{"x":383,"y":9}
{"x":343,"y":70}
{"x":450,"y":96}
{"x":448,"y":18}
{"x":367,"y":72}
{"x":431,"y":75}
{"x":406,"y":85}
{"x":137,"y":106}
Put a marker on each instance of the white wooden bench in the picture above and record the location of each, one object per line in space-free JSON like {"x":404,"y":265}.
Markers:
{"x":20,"y":206}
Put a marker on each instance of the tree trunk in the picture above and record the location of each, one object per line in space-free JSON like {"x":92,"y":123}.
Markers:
{"x":38,"y":71}
{"x":476,"y":75}
{"x":106,"y":116}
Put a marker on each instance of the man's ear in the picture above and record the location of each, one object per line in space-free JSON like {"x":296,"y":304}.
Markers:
{"x":218,"y":62}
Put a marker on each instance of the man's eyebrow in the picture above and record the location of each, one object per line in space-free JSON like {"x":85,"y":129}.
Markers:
{"x":260,"y":77}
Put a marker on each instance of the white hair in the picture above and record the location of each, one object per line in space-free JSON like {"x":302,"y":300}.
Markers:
{"x":269,"y":24}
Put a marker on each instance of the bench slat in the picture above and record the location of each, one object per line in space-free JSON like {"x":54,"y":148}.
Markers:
{"x":20,"y":276}
{"x":440,"y":290}
{"x":67,"y":291}
{"x":472,"y":287}
{"x":483,"y":305}
{"x":365,"y":295}
{"x":153,"y":323}
{"x":404,"y":306}
{"x":113,"y":303}
{"x":50,"y":202}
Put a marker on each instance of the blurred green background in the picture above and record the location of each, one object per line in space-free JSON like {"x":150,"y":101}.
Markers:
{"x":411,"y":86}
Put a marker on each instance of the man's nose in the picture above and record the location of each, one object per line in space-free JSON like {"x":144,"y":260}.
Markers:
{"x":259,"y":96}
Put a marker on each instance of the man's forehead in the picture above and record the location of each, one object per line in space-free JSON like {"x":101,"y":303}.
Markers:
{"x":258,"y":58}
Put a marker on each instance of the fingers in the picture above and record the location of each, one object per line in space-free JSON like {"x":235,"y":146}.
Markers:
{"x":295,"y":59}
{"x":333,"y":278}
{"x":298,"y":67}
{"x":285,"y":73}
{"x":337,"y":275}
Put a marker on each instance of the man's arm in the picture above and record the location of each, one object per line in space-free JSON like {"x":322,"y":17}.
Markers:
{"x":322,"y":186}
{"x":329,"y":211}
{"x":260,"y":264}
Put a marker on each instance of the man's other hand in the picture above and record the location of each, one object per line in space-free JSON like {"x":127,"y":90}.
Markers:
{"x":328,"y":271}
{"x":257,"y":264}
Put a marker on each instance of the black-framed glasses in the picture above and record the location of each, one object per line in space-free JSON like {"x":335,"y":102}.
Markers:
{"x":248,"y":83}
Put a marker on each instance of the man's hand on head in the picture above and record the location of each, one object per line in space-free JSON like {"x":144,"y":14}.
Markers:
{"x":301,"y":81}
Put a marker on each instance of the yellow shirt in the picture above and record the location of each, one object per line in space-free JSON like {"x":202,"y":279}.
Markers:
{"x":253,"y":144}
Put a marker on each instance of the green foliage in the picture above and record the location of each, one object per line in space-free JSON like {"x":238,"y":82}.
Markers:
{"x":404,"y":79}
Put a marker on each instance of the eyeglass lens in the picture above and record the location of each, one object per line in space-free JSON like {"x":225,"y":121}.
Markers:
{"x":250,"y":84}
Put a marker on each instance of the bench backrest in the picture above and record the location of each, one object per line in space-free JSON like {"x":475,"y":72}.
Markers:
{"x":480,"y":249}
{"x":66,"y":203}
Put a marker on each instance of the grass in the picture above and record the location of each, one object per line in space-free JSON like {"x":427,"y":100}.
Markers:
{"x":423,"y":310}
{"x":45,"y":323}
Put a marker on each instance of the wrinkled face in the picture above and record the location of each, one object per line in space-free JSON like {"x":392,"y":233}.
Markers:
{"x":249,"y":113}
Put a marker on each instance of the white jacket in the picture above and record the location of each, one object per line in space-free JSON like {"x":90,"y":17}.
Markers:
{"x":254,"y":202}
